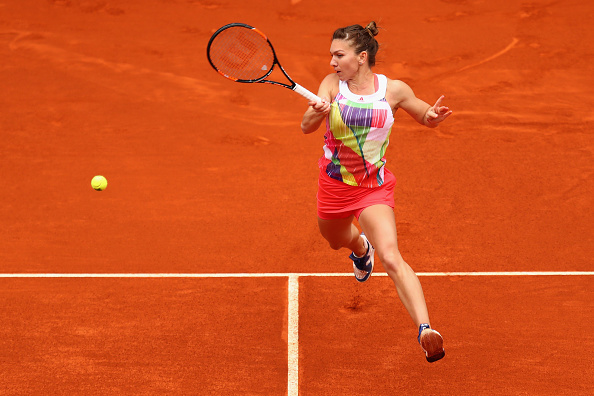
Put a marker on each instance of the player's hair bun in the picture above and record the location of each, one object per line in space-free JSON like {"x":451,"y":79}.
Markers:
{"x":372,"y":28}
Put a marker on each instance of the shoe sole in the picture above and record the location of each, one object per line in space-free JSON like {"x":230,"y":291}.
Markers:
{"x":432,"y":344}
{"x":366,"y":276}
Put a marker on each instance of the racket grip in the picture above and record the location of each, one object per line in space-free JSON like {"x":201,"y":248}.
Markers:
{"x":305,"y":93}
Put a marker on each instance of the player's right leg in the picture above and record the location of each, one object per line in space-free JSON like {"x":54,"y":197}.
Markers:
{"x":342,"y":233}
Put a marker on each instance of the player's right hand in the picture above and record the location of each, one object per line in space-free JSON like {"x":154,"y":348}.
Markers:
{"x":322,"y":107}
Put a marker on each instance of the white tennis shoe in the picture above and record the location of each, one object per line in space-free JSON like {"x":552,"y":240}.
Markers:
{"x":431,"y":342}
{"x":363,"y":266}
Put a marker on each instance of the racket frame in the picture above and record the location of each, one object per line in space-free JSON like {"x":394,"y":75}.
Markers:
{"x":293,"y":86}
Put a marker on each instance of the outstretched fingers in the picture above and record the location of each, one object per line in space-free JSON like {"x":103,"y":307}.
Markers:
{"x":447,"y":113}
{"x":438,"y":103}
{"x":431,"y":114}
{"x":439,"y":111}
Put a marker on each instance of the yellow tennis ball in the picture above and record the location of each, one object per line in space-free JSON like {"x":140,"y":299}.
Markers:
{"x":99,"y":183}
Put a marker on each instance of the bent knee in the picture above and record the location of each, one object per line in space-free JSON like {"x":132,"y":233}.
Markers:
{"x":335,"y":245}
{"x":335,"y":241}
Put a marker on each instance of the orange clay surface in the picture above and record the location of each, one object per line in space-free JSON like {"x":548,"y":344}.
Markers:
{"x":210,"y":176}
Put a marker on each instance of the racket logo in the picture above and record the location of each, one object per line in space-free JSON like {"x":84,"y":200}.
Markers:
{"x":239,"y":56}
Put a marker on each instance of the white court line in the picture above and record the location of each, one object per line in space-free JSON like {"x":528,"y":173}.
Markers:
{"x":293,"y":337}
{"x":277,"y":275}
{"x":293,"y":297}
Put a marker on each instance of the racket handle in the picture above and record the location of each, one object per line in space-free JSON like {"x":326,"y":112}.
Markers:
{"x":305,"y":93}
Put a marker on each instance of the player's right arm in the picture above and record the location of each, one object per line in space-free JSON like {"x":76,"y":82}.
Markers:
{"x":317,"y":111}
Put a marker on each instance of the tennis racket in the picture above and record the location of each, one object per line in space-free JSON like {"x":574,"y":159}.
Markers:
{"x":244,"y":54}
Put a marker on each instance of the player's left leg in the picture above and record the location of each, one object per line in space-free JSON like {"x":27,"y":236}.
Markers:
{"x":379,"y":226}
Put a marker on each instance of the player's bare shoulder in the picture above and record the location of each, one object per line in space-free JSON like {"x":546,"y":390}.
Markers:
{"x":397,"y":91}
{"x":329,"y":86}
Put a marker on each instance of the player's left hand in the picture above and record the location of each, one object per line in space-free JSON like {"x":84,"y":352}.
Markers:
{"x":437,"y":113}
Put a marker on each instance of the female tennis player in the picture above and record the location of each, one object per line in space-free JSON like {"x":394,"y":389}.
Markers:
{"x":358,"y":106}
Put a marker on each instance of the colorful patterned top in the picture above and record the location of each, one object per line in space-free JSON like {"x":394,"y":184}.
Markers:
{"x":357,"y":134}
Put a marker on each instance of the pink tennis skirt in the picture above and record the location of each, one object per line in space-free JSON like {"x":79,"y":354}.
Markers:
{"x":337,"y":200}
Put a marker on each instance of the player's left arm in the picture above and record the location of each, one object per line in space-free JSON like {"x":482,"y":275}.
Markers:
{"x":422,"y":112}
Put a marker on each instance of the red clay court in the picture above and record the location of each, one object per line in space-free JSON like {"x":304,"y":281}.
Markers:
{"x":200,"y":269}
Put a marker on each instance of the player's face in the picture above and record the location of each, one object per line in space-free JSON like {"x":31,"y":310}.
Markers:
{"x":344,"y":60}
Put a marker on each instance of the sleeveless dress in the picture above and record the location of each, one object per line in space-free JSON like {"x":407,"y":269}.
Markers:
{"x":352,"y":170}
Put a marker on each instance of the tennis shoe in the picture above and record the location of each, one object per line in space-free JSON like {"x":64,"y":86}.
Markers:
{"x":363,"y":266}
{"x":431,"y":342}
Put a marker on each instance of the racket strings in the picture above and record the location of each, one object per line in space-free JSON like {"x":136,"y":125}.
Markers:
{"x":241,"y":54}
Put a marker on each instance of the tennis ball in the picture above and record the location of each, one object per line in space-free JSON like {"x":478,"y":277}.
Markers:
{"x":99,"y":183}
